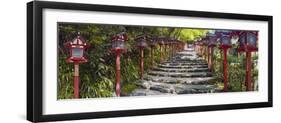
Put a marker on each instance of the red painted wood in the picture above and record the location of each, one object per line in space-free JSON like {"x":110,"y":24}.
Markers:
{"x":161,"y":54}
{"x":118,"y":73}
{"x":246,"y":80}
{"x":248,"y":71}
{"x":206,"y":53}
{"x":225,"y":70}
{"x":151,"y":55}
{"x":141,"y":63}
{"x":76,"y":80}
{"x":211,"y":57}
{"x":209,"y":53}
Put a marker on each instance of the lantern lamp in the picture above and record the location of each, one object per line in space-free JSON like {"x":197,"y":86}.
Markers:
{"x":212,"y":41}
{"x":225,"y":40}
{"x":248,"y":41}
{"x":212,"y":38}
{"x":76,"y":50}
{"x":141,"y":41}
{"x":118,"y":42}
{"x":252,"y":40}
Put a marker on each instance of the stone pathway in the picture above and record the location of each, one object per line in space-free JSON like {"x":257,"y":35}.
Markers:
{"x":185,"y":73}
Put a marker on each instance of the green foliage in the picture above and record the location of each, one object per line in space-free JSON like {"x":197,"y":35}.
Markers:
{"x":236,"y":70}
{"x":97,"y":77}
{"x":191,"y":34}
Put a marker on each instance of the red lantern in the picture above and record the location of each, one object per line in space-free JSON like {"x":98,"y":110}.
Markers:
{"x":212,"y":42}
{"x":225,"y":44}
{"x":152,"y":43}
{"x":248,"y":43}
{"x":141,"y":43}
{"x":161,"y":43}
{"x":200,"y":47}
{"x":118,"y":42}
{"x":77,"y":49}
{"x":172,"y":45}
{"x":118,"y":47}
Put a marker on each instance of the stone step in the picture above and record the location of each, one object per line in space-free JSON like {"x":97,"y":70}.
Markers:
{"x":195,"y":89}
{"x":187,"y":60}
{"x":184,"y":54}
{"x":180,"y":75}
{"x":177,"y":88}
{"x":180,"y":70}
{"x":183,"y":67}
{"x":173,"y":80}
{"x":182,"y":64}
{"x":144,"y":92}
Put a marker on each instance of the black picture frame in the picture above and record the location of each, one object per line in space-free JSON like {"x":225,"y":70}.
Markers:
{"x":35,"y":69}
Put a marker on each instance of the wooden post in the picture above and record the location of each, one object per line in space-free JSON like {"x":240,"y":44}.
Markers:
{"x":165,"y":51}
{"x":211,"y":56}
{"x":206,"y":53}
{"x":118,"y":52}
{"x":161,"y":53}
{"x":225,"y":70}
{"x":151,"y":55}
{"x":76,"y":80}
{"x":173,"y":50}
{"x":248,"y":71}
{"x":141,"y":63}
{"x":208,"y":56}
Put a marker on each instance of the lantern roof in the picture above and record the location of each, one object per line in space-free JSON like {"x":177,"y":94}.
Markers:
{"x":78,"y":41}
{"x":120,"y":37}
{"x":141,"y":37}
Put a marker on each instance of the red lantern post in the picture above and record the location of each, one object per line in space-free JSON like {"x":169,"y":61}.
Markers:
{"x":161,"y":43}
{"x":118,"y":46}
{"x":165,"y":47}
{"x":211,"y":45}
{"x":172,"y":42}
{"x":152,"y":44}
{"x":205,"y":49}
{"x":225,"y":45}
{"x":141,"y":44}
{"x":77,"y":48}
{"x":248,"y":44}
{"x":196,"y":47}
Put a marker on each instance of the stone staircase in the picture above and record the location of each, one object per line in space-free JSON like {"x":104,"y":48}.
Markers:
{"x":185,"y":73}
